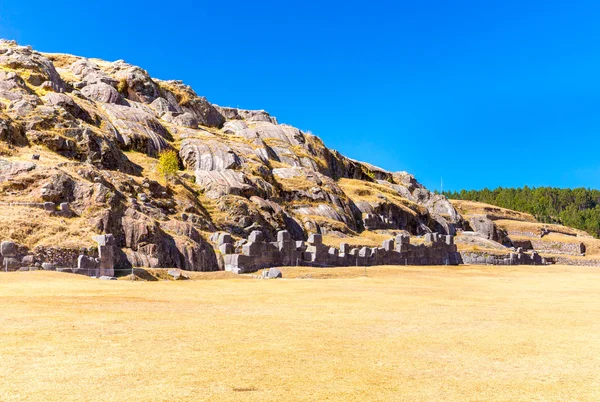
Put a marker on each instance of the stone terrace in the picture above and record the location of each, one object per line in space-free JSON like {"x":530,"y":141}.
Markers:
{"x":255,"y":253}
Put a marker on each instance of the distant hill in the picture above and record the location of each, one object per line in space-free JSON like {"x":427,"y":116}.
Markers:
{"x":578,"y":208}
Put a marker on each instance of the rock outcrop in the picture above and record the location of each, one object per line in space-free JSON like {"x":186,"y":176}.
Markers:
{"x":103,"y":125}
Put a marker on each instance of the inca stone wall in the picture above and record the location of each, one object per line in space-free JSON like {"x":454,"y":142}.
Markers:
{"x":515,"y":258}
{"x":256,"y":253}
{"x":552,"y":247}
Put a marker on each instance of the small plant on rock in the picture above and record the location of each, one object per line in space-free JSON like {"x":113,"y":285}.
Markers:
{"x":122,"y":86}
{"x":168,"y":165}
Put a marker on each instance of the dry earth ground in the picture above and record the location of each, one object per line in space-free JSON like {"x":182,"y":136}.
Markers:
{"x":402,"y":333}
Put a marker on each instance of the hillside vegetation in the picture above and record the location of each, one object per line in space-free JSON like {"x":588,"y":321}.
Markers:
{"x":578,"y":208}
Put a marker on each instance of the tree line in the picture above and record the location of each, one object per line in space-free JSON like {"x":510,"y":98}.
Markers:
{"x":578,"y":208}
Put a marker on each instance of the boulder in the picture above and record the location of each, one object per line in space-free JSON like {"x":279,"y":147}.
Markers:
{"x":176,"y":274}
{"x":107,"y":278}
{"x":48,"y":266}
{"x":273,"y":273}
{"x":8,"y":249}
{"x":101,"y":92}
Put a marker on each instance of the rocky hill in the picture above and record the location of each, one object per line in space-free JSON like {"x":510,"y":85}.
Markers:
{"x":85,"y":135}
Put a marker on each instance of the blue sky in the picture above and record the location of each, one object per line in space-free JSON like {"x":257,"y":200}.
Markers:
{"x":481,"y":93}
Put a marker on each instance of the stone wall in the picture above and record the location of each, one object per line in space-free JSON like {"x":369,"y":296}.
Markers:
{"x":514,"y":258}
{"x":93,"y":262}
{"x":256,"y":253}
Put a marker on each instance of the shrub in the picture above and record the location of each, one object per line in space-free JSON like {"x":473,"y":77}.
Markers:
{"x":168,"y":165}
{"x":122,"y":86}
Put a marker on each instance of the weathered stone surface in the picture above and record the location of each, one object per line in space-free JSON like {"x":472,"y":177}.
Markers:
{"x":226,"y":248}
{"x":234,"y":127}
{"x":222,"y":182}
{"x":274,"y":273}
{"x":11,"y":169}
{"x":256,"y":236}
{"x":176,"y":274}
{"x":10,"y":263}
{"x":137,"y":130}
{"x":209,"y":155}
{"x":8,"y":249}
{"x":315,"y":238}
{"x":204,"y":113}
{"x":107,"y":252}
{"x":223,"y":238}
{"x":102,"y":92}
{"x":388,"y":245}
{"x":48,"y":266}
{"x":486,"y":227}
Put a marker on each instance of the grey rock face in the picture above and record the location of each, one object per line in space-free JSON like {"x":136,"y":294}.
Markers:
{"x":23,"y":58}
{"x":274,"y":273}
{"x":137,"y":129}
{"x":234,"y":127}
{"x":208,"y":155}
{"x":101,"y":92}
{"x":221,"y":182}
{"x":11,"y":169}
{"x":487,"y":228}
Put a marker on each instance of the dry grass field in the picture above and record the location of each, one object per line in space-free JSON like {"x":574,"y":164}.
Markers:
{"x":400,"y":333}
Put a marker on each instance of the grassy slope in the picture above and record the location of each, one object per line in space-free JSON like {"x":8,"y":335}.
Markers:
{"x":417,"y":333}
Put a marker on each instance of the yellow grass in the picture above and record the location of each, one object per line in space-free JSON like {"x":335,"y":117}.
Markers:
{"x":414,"y":334}
{"x":534,"y":227}
{"x":33,"y":226}
{"x":360,"y":190}
{"x":494,"y":212}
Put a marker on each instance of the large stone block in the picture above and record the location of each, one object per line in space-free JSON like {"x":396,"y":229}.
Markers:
{"x":283,"y":235}
{"x":344,"y":248}
{"x":388,"y":245}
{"x":364,"y":252}
{"x":315,"y":238}
{"x":10,"y":264}
{"x":48,"y":266}
{"x":274,"y":273}
{"x":252,"y":248}
{"x":84,"y":262}
{"x":429,"y":238}
{"x":239,"y":264}
{"x":8,"y":249}
{"x":402,"y":239}
{"x":107,"y":251}
{"x":224,"y":238}
{"x":256,"y":236}
{"x":226,"y":248}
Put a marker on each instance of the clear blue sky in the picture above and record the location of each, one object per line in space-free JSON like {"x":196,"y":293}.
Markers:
{"x":481,"y":93}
